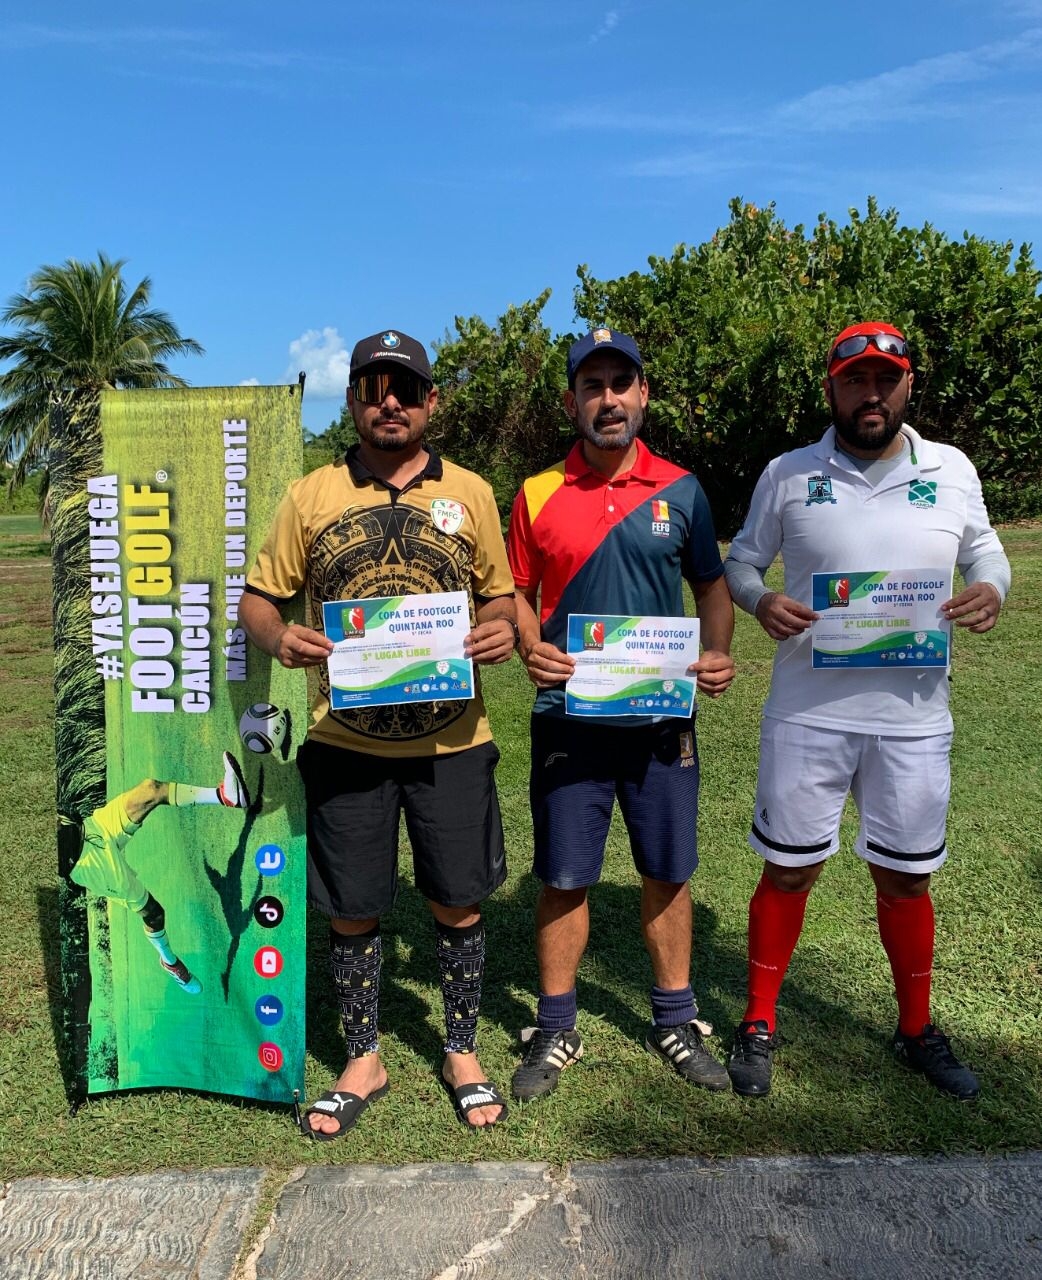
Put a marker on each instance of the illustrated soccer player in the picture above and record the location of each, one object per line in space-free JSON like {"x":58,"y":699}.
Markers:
{"x":102,"y":868}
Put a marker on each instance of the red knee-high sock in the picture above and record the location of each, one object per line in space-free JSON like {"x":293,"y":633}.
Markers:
{"x":775,"y":921}
{"x":906,"y":931}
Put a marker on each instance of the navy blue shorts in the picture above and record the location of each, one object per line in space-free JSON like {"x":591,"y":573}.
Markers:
{"x":355,"y":802}
{"x":578,"y":771}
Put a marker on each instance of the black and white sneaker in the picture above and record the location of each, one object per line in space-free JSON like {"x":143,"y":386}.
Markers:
{"x":931,"y":1055}
{"x":749,"y":1065}
{"x":685,"y":1051}
{"x":547,"y":1053}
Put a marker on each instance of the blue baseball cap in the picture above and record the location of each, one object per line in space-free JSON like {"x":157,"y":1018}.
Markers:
{"x":602,"y":340}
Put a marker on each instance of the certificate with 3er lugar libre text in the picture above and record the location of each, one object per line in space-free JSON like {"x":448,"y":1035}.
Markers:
{"x":398,"y":649}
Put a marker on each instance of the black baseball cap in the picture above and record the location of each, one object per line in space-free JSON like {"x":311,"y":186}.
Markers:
{"x":394,"y":348}
{"x":602,"y":340}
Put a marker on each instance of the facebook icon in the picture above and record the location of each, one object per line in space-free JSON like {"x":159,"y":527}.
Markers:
{"x":268,"y":1010}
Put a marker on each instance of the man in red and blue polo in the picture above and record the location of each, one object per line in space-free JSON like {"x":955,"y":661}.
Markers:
{"x":613,"y":529}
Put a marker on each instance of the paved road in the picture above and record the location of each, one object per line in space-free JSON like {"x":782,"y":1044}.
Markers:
{"x":860,"y":1217}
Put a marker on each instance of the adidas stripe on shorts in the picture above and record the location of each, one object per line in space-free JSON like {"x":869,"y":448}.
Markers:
{"x":900,"y":786}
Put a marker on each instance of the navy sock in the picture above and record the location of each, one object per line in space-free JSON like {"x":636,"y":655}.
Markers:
{"x":673,"y":1008}
{"x":461,"y":966}
{"x":557,"y":1013}
{"x":354,"y":960}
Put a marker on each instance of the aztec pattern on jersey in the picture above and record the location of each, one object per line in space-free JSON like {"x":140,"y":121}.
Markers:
{"x":391,"y":550}
{"x":341,"y":534}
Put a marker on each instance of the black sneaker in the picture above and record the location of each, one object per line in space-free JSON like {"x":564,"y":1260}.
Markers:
{"x":749,"y":1065}
{"x":685,"y":1051}
{"x":546,"y":1056}
{"x":931,"y":1055}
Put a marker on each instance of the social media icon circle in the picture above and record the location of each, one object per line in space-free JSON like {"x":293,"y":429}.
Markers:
{"x":269,"y":1010}
{"x":270,"y":1056}
{"x":268,"y":962}
{"x":270,"y":859}
{"x":269,"y":911}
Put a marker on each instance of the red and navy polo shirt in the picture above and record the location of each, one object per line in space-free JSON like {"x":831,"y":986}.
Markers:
{"x":617,"y":546}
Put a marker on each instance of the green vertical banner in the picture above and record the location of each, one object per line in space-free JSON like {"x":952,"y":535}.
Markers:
{"x":181,"y":814}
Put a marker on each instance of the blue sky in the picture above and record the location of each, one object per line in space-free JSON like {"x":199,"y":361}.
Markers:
{"x":295,"y":177}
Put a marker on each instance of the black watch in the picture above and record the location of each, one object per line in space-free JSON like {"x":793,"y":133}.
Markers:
{"x":516,"y":630}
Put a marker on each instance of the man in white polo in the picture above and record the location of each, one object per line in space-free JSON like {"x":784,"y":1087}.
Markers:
{"x":870,"y":495}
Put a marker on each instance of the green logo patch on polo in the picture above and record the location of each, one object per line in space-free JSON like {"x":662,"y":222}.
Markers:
{"x":922,"y":493}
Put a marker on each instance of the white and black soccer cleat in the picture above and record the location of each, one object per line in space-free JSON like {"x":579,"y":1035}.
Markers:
{"x":233,"y":792}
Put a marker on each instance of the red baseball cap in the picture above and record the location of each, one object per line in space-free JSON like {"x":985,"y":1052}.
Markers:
{"x":871,"y":340}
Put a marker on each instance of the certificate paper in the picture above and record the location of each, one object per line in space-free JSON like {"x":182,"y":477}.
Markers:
{"x":398,"y":649}
{"x":887,"y":619}
{"x":631,"y":666}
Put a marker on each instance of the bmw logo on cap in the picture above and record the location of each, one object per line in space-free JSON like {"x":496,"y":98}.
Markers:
{"x":391,"y":340}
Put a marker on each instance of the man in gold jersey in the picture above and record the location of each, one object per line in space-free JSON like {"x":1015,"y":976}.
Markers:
{"x":392,"y":518}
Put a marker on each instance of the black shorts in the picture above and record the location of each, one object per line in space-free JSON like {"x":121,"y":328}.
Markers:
{"x":354,"y":803}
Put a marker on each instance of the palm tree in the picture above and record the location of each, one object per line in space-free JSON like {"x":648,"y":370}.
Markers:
{"x":79,"y":331}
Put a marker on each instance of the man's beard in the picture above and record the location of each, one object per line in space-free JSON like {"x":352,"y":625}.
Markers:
{"x":594,"y":432}
{"x":850,"y":429}
{"x":391,"y":443}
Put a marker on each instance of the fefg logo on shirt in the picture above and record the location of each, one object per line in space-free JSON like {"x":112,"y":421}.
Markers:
{"x":660,"y":518}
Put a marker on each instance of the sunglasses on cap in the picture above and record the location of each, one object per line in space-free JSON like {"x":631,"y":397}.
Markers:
{"x":408,"y":388}
{"x":889,"y":343}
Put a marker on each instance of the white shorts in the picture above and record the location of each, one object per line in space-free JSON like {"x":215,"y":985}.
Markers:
{"x":900,"y":786}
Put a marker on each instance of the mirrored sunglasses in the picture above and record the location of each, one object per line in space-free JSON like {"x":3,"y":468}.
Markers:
{"x":889,"y":343}
{"x":409,"y":389}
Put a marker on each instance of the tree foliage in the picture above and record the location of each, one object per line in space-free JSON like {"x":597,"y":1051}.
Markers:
{"x":499,"y":410}
{"x":734,"y":333}
{"x":78,"y":329}
{"x":330,"y":444}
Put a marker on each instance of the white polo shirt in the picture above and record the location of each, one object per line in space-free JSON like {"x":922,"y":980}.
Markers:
{"x":817,"y":509}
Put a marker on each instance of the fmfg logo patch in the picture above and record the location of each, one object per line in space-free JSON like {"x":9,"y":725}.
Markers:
{"x":447,"y":514}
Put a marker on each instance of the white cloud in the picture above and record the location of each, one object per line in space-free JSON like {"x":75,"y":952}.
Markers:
{"x":896,"y":92}
{"x":689,"y":164}
{"x":601,"y":119}
{"x":611,"y":21}
{"x":200,"y":46}
{"x":931,"y":87}
{"x":29,"y":34}
{"x":324,"y":358}
{"x":250,"y":382}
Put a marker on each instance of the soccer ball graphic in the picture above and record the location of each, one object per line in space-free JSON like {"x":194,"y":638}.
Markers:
{"x":264,"y":727}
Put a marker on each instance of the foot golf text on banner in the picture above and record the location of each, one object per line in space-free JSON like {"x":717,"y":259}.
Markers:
{"x":180,"y":810}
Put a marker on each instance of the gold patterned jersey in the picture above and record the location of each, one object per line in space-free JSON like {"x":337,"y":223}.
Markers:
{"x":342,"y":534}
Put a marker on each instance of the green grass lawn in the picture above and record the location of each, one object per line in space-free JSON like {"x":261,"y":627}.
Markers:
{"x":836,"y":1090}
